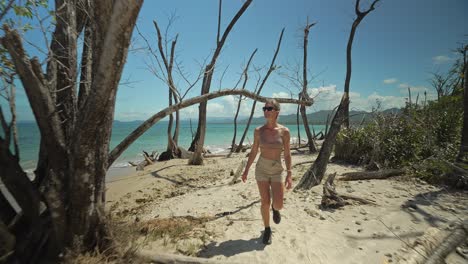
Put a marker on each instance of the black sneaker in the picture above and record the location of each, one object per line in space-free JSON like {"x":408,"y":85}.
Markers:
{"x":267,"y":236}
{"x":276,"y":215}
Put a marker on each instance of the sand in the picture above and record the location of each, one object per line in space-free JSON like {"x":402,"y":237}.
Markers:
{"x":225,"y":221}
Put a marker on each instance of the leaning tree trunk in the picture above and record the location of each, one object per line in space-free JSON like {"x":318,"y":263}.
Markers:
{"x":305,"y":121}
{"x":75,"y":132}
{"x":463,"y":152}
{"x":199,"y":140}
{"x":315,"y":173}
{"x":140,"y":130}
{"x":252,"y":111}
{"x":357,"y":21}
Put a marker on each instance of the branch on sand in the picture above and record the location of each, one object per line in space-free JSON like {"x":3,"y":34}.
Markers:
{"x":331,"y":198}
{"x":367,"y":175}
{"x":434,"y":246}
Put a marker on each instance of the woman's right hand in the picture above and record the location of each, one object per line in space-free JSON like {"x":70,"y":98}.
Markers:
{"x":244,"y":177}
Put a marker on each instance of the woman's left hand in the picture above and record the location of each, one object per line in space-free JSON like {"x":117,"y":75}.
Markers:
{"x":289,"y":182}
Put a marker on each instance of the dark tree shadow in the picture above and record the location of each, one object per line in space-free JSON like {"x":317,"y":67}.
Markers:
{"x":414,"y":207}
{"x":232,"y":247}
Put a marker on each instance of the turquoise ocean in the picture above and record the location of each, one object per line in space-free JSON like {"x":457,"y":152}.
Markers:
{"x":217,"y":140}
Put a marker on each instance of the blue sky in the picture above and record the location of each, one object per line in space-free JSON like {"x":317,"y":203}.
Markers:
{"x":397,"y":45}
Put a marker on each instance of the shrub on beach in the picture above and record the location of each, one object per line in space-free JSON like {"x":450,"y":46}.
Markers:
{"x":407,"y":138}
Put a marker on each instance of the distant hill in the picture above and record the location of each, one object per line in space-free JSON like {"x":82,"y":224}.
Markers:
{"x":320,"y":117}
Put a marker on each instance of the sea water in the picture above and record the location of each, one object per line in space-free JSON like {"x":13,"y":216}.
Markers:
{"x":217,"y":140}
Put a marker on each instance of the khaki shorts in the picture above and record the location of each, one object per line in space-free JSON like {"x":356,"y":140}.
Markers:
{"x":269,"y":170}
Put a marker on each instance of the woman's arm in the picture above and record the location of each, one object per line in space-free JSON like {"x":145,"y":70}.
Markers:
{"x":252,"y":154}
{"x":287,"y":156}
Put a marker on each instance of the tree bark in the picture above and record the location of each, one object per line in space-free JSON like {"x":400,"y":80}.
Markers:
{"x":462,"y":156}
{"x":367,"y":175}
{"x":75,"y":140}
{"x":315,"y":173}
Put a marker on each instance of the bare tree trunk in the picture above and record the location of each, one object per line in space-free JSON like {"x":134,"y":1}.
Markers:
{"x":298,"y":127}
{"x":463,"y":152}
{"x":270,"y":70}
{"x":74,"y":148}
{"x":246,"y":77}
{"x":199,"y":140}
{"x":359,"y":18}
{"x":304,"y":94}
{"x":169,"y":65}
{"x":315,"y":173}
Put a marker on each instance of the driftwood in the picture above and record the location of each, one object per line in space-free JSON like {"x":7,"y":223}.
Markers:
{"x":367,"y":175}
{"x":434,"y":246}
{"x":177,"y":259}
{"x":235,"y":178}
{"x":331,"y":198}
{"x":148,"y":160}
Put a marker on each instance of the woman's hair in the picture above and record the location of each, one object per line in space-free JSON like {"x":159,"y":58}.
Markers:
{"x":274,"y":103}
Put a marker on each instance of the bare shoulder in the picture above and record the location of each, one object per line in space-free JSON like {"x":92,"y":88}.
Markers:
{"x":284,"y":130}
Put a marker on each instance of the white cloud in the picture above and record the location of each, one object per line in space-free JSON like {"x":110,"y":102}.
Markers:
{"x":390,"y":81}
{"x":441,"y":59}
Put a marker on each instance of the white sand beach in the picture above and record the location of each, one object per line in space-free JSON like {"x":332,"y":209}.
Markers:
{"x":222,"y":221}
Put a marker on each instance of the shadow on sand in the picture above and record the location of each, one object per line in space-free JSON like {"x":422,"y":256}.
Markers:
{"x":232,"y":247}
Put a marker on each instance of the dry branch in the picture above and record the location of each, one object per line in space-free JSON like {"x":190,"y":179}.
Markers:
{"x":434,"y":246}
{"x":367,"y":175}
{"x":159,"y":258}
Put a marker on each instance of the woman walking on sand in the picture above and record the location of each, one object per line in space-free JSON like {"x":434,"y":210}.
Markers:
{"x":272,"y":138}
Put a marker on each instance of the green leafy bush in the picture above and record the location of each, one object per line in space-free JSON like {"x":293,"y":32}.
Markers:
{"x":413,"y":135}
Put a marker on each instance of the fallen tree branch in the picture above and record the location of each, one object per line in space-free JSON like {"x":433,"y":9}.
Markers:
{"x":159,"y":258}
{"x":359,"y":199}
{"x":367,"y":175}
{"x":434,"y":246}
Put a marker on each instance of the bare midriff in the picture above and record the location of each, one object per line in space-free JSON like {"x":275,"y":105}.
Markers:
{"x":270,"y":153}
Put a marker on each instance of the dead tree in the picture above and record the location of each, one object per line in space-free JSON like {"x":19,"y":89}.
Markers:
{"x":173,"y":93}
{"x":75,"y":126}
{"x":462,"y":156}
{"x":315,"y":173}
{"x":357,"y":21}
{"x":246,"y":77}
{"x":304,"y":94}
{"x":259,"y":90}
{"x":199,"y":140}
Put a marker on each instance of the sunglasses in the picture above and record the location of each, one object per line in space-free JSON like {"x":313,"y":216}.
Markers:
{"x":268,"y":108}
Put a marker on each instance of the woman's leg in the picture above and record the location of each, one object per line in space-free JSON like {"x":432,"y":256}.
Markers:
{"x":264,"y":189}
{"x":277,"y":189}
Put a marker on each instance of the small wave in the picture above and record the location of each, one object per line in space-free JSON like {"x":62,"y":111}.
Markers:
{"x":217,"y":149}
{"x":121,"y":165}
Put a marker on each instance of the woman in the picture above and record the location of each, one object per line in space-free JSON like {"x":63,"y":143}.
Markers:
{"x":272,"y":138}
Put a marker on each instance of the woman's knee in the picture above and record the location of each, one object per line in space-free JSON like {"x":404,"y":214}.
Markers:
{"x":278,"y":205}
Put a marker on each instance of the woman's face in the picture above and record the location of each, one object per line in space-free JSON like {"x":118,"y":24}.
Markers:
{"x":269,"y":111}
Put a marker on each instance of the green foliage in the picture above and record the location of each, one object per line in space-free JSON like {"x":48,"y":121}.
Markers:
{"x":417,"y":133}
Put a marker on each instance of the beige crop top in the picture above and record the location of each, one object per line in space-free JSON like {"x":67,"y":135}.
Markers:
{"x":275,"y":143}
